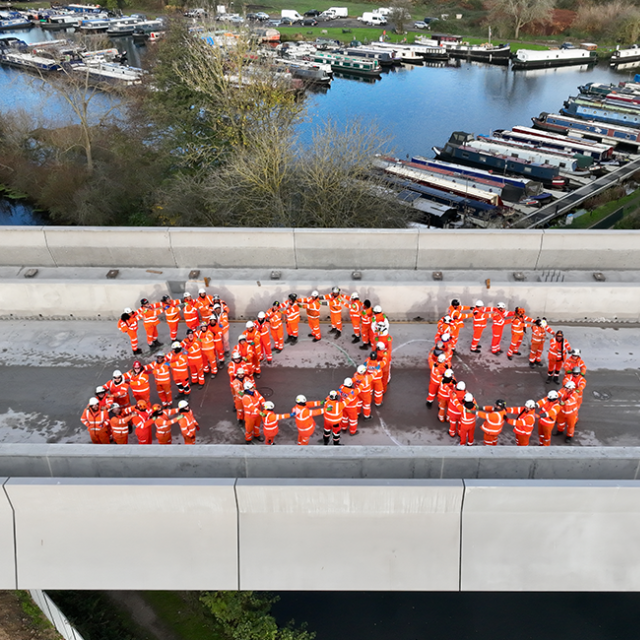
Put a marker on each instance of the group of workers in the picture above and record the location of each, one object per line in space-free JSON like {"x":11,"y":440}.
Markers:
{"x":457,"y":405}
{"x":111,"y":417}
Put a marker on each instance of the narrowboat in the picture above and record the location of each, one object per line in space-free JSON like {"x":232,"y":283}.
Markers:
{"x":348,"y":64}
{"x":625,"y":55}
{"x":530,"y":59}
{"x":493,"y":54}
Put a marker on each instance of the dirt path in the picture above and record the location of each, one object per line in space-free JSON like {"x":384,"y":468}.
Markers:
{"x":15,"y":624}
{"x":142,"y":614}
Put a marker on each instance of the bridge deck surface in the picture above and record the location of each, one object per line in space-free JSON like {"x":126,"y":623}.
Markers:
{"x":48,"y":370}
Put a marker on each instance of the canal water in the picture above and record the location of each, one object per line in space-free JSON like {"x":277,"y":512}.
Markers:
{"x":417,"y":107}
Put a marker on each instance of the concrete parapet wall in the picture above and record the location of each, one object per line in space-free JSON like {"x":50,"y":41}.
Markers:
{"x":295,"y":534}
{"x":318,"y":248}
{"x":234,"y":461}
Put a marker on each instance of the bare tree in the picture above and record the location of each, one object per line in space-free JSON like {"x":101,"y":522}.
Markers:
{"x":519,"y":13}
{"x":400,"y":15}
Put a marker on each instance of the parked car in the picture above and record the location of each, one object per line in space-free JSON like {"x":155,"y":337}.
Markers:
{"x":235,"y":19}
{"x":309,"y":22}
{"x":262,"y":16}
{"x":314,"y":13}
{"x":288,"y":22}
{"x":273,"y":23}
{"x":420,"y":24}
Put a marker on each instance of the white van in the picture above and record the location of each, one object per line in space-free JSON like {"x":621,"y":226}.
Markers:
{"x":291,"y":14}
{"x":373,"y":19}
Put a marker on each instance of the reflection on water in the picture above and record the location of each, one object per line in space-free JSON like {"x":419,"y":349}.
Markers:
{"x":15,"y":212}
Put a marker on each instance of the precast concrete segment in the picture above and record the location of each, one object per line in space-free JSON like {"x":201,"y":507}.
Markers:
{"x":113,"y":533}
{"x":365,"y":462}
{"x":401,"y":300}
{"x":7,"y":541}
{"x":550,"y":536}
{"x":349,"y":535}
{"x":319,"y":248}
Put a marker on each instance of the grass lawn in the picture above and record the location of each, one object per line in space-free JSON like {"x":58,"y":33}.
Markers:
{"x":586,"y":220}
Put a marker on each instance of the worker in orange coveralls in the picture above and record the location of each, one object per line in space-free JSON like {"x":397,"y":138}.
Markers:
{"x":162,"y":375}
{"x":204,"y":304}
{"x":333,"y":411}
{"x":237,"y":388}
{"x":171,"y":310}
{"x":194,"y":353}
{"x":96,"y":420}
{"x":355,"y":312}
{"x":568,"y":414}
{"x":494,"y":418}
{"x":179,"y":362}
{"x":575,"y":360}
{"x":499,"y":317}
{"x":118,"y":388}
{"x":559,"y":348}
{"x":190,"y":312}
{"x":274,"y":317}
{"x":208,"y":347}
{"x":467,"y":421}
{"x":363,"y":381}
{"x":128,"y":324}
{"x":270,"y":421}
{"x":518,"y":327}
{"x":349,"y":394}
{"x":252,"y":403}
{"x":523,"y":423}
{"x":539,"y":330}
{"x":454,"y":407}
{"x":292,"y":317}
{"x":188,"y":423}
{"x":480,"y":315}
{"x":162,"y":420}
{"x":446,"y":388}
{"x":579,"y":380}
{"x":312,"y":306}
{"x":138,"y":380}
{"x":120,"y":422}
{"x":548,"y":410}
{"x":366,"y":318}
{"x":304,"y":413}
{"x":262,"y":328}
{"x":437,"y":371}
{"x":150,"y":314}
{"x":335,"y":300}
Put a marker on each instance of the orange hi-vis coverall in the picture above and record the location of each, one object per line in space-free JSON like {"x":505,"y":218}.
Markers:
{"x":580,"y":381}
{"x":435,"y":351}
{"x":204,"y":304}
{"x":499,"y":318}
{"x":253,"y":339}
{"x":480,"y":316}
{"x":355,"y":312}
{"x":120,"y":425}
{"x":209,"y":353}
{"x":139,"y":383}
{"x":574,"y":361}
{"x":457,"y":313}
{"x":558,"y":351}
{"x":350,"y":396}
{"x":274,"y":316}
{"x":119,"y":391}
{"x":312,"y":306}
{"x":217,"y":330}
{"x":366,"y":318}
{"x":237,"y":389}
{"x":335,"y":302}
{"x":171,"y":310}
{"x":163,"y":427}
{"x":445,"y":389}
{"x":518,"y":327}
{"x":333,"y":414}
{"x":522,"y":424}
{"x":248,"y":354}
{"x":375,"y":369}
{"x":568,"y":415}
{"x":292,"y":316}
{"x":364,"y":383}
{"x":188,"y":426}
{"x":538,"y":337}
{"x":252,"y":402}
{"x":492,"y":425}
{"x":130,"y":327}
{"x":150,"y":315}
{"x":437,"y":371}
{"x":162,"y":375}
{"x":194,"y":355}
{"x":548,"y":411}
{"x":97,"y":423}
{"x":454,"y":409}
{"x":144,"y":431}
{"x":270,"y":422}
{"x":179,"y":363}
{"x":190,"y":314}
{"x":467,"y":425}
{"x":262,"y":327}
{"x":304,"y":420}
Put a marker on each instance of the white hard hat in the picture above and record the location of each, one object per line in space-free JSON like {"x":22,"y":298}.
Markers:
{"x":261,"y":315}
{"x":461,"y":386}
{"x":175,"y":345}
{"x":468,"y":397}
{"x":301,"y":399}
{"x":361,"y":369}
{"x":447,"y":319}
{"x":240,"y":371}
{"x":248,"y":385}
{"x":117,"y":373}
{"x":446,"y":337}
{"x":314,"y":294}
{"x":235,"y":354}
{"x":377,"y":309}
{"x":335,"y":290}
{"x":355,"y":295}
{"x":100,"y":389}
{"x":249,"y":324}
{"x":201,"y":291}
{"x":479,"y":303}
{"x":448,"y":373}
{"x":552,"y":395}
{"x":241,"y":337}
{"x":543,"y":323}
{"x":269,"y":406}
{"x":529,"y":404}
{"x":381,"y":345}
{"x":217,"y":306}
{"x":442,"y":357}
{"x":186,"y":294}
{"x":569,"y":384}
{"x":348,"y":382}
{"x":93,"y":402}
{"x":501,"y":305}
{"x":575,"y":352}
{"x":382,"y":329}
{"x":183,"y":404}
{"x":128,"y":310}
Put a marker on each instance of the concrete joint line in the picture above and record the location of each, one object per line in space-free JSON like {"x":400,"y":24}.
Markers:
{"x":535,"y":267}
{"x":173,"y":254}
{"x":15,"y":536}
{"x":635,"y":477}
{"x":46,"y":242}
{"x":464,"y":489}
{"x":235,"y":495}
{"x":295,"y":248}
